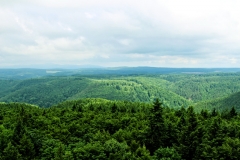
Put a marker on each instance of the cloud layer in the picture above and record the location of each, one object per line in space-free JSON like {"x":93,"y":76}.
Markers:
{"x":171,"y":33}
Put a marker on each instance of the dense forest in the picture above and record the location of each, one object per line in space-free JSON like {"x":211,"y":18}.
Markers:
{"x":102,"y":129}
{"x":115,"y":114}
{"x":201,"y":90}
{"x":220,"y":104}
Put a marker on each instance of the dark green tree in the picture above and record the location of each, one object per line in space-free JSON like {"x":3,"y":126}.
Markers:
{"x":214,"y":112}
{"x":233,"y":112}
{"x":188,"y":141}
{"x":11,"y":152}
{"x":157,"y":131}
{"x":166,"y":153}
{"x":26,"y":147}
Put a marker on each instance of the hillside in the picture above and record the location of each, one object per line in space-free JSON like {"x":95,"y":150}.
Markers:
{"x":52,"y":90}
{"x":173,"y":90}
{"x":194,"y":87}
{"x":221,"y":104}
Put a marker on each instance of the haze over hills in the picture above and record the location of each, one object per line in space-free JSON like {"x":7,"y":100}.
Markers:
{"x":24,"y":73}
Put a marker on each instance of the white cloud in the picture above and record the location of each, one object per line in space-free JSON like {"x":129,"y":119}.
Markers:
{"x":105,"y":56}
{"x":187,"y":33}
{"x":90,"y":15}
{"x":125,"y":42}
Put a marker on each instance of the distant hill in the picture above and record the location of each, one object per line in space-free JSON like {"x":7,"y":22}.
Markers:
{"x":221,"y":104}
{"x":174,"y":90}
{"x":26,"y":73}
{"x":52,"y":90}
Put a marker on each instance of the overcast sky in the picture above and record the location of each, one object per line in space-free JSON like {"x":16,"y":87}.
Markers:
{"x":160,"y":33}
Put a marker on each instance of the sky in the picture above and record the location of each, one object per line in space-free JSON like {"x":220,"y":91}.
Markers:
{"x":112,"y":33}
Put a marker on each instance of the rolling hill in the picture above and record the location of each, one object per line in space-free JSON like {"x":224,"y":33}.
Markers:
{"x":221,"y":104}
{"x":52,"y":90}
{"x":203,"y":90}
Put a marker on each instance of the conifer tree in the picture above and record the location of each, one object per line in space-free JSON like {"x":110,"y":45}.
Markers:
{"x":233,"y":112}
{"x":156,"y":134}
{"x":26,"y":147}
{"x":11,"y":152}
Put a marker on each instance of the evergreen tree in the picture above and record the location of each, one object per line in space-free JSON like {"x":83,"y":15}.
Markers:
{"x":214,"y":112}
{"x":11,"y":152}
{"x":18,"y":132}
{"x":59,"y":152}
{"x":26,"y":147}
{"x":233,"y":112}
{"x":188,"y":141}
{"x":157,"y":130}
{"x":166,"y":153}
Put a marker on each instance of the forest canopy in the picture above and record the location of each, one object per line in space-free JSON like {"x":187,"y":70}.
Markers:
{"x":103,"y":129}
{"x":62,"y":115}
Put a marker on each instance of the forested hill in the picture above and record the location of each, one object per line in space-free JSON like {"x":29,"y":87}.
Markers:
{"x":90,"y":129}
{"x":174,"y":90}
{"x":46,"y":92}
{"x":221,"y":103}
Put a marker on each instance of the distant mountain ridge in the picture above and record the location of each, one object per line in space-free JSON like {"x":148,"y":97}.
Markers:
{"x":25,"y":73}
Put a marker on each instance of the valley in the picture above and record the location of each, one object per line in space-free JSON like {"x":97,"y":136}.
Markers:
{"x":174,"y":89}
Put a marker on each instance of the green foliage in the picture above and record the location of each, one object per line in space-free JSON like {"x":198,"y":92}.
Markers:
{"x":48,"y":91}
{"x":221,"y":104}
{"x":104,"y":129}
{"x":203,"y":91}
{"x":11,"y":152}
{"x":26,"y":147}
{"x":166,"y":154}
{"x":124,"y":125}
{"x":157,"y":131}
